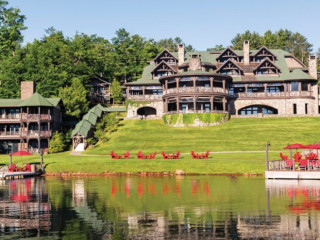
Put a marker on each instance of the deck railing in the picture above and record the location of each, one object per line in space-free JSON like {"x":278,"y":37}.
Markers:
{"x":280,"y":165}
{"x":196,"y":90}
{"x":10,"y":116}
{"x":272,"y":94}
{"x":35,"y":117}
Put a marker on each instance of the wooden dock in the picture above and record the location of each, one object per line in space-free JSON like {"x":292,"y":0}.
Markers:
{"x":298,"y":175}
{"x":17,"y":175}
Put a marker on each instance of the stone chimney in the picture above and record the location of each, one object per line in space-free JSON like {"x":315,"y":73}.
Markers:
{"x":313,"y":66}
{"x":180,"y":53}
{"x":27,"y":89}
{"x":246,"y":52}
{"x":195,"y":62}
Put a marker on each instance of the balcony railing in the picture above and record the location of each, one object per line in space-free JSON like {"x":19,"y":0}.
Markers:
{"x":35,"y":117}
{"x":272,"y":94}
{"x":145,"y":97}
{"x":36,"y":133}
{"x":196,"y":90}
{"x":10,"y":133}
{"x":197,"y":111}
{"x":10,"y":116}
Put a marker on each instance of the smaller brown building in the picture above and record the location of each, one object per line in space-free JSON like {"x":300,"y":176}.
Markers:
{"x":27,"y":123}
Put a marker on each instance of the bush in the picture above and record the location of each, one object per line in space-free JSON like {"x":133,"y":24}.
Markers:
{"x":189,"y":118}
{"x":57,"y":143}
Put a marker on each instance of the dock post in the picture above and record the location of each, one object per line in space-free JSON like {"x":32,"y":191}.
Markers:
{"x":267,"y":156}
{"x":41,"y":161}
{"x":10,"y":159}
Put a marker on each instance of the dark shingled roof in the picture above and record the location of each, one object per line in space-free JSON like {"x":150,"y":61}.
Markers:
{"x":36,"y":100}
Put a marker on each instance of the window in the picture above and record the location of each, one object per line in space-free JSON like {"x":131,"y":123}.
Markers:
{"x":304,"y":86}
{"x":231,"y":91}
{"x":306,"y":108}
{"x":294,"y":108}
{"x":294,"y":86}
{"x":273,"y":89}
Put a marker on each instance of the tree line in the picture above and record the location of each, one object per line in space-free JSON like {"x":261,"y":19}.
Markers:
{"x":64,"y":66}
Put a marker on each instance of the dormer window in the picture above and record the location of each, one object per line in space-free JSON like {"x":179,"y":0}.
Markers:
{"x":230,"y":68}
{"x":227,"y":54}
{"x":165,"y":56}
{"x":266,"y":67}
{"x":262,"y":54}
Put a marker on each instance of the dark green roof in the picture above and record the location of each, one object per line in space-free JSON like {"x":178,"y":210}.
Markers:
{"x":36,"y":100}
{"x":211,"y":57}
{"x":90,"y":119}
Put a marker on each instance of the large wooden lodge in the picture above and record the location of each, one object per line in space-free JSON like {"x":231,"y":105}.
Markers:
{"x":27,"y":123}
{"x":249,"y":82}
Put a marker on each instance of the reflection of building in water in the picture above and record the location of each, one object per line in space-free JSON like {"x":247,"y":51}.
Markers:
{"x":78,"y":193}
{"x":25,"y":206}
{"x":302,"y":221}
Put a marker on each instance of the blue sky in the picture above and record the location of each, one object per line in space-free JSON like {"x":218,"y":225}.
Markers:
{"x":201,"y":23}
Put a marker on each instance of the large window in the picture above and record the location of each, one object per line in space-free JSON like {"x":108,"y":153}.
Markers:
{"x":252,"y":110}
{"x":304,"y":86}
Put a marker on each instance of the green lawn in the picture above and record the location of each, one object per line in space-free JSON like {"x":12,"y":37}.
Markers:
{"x":150,"y":136}
{"x":248,"y":134}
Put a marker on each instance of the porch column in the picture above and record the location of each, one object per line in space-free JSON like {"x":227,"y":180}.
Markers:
{"x":211,"y":103}
{"x":299,"y":88}
{"x":194,"y":104}
{"x":166,"y":105}
{"x":224,"y":104}
{"x":143,"y":92}
{"x":211,"y":83}
{"x":224,"y":84}
{"x":178,"y":108}
{"x":246,"y":88}
{"x":177,"y":84}
{"x":194,"y":82}
{"x":309,"y":87}
{"x":166,"y":85}
{"x":38,"y":144}
{"x":127,"y":92}
{"x":265,"y":88}
{"x":285,"y":89}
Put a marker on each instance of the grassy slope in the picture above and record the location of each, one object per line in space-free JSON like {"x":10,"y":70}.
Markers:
{"x":235,"y":135}
{"x":150,"y":136}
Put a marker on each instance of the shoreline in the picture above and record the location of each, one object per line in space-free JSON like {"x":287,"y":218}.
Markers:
{"x":145,"y":174}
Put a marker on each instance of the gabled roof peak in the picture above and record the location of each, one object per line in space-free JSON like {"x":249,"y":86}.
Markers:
{"x":164,"y":50}
{"x":36,"y":100}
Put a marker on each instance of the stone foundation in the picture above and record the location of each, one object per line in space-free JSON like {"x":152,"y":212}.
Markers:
{"x":132,"y":111}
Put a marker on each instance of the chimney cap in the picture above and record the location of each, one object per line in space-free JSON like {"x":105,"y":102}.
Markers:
{"x":312,"y":57}
{"x":246,"y":41}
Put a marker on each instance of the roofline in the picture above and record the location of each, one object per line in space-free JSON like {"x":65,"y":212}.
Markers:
{"x":196,"y":74}
{"x":162,"y":52}
{"x":165,"y":64}
{"x":229,"y":60}
{"x":266,"y":59}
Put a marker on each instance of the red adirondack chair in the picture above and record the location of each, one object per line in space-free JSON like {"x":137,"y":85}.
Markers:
{"x":303,"y":164}
{"x":126,"y":155}
{"x":12,"y":167}
{"x":289,"y":164}
{"x":164,"y":155}
{"x":283,"y":158}
{"x":27,"y":168}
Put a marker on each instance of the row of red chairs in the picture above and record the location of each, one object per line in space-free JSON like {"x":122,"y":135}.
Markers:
{"x":176,"y":155}
{"x":14,"y":168}
{"x":146,"y":156}
{"x":120,"y":156}
{"x":200,"y":155}
{"x":170,"y":156}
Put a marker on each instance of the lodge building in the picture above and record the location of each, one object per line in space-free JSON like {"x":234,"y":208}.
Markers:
{"x":241,"y":83}
{"x":27,"y":123}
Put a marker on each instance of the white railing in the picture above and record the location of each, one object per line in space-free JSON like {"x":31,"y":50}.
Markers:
{"x":10,"y":133}
{"x":272,"y":94}
{"x":26,"y":116}
{"x":145,"y":97}
{"x":36,"y":133}
{"x":196,"y":90}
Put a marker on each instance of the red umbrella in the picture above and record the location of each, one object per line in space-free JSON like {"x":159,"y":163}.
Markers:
{"x":313,"y":146}
{"x":21,"y":153}
{"x":295,"y":146}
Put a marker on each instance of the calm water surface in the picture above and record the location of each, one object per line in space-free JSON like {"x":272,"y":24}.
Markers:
{"x":194,"y":207}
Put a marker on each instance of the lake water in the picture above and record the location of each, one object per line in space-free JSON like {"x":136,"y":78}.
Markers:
{"x":193,"y":207}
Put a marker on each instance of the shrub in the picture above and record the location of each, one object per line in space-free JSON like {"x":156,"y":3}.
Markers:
{"x":189,"y":118}
{"x":57,"y":143}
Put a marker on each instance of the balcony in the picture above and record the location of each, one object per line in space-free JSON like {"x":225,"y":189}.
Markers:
{"x":35,"y":117}
{"x":272,"y":94}
{"x":36,"y":133}
{"x":145,"y":97}
{"x":196,"y":90}
{"x":13,"y":134}
{"x":8,"y":118}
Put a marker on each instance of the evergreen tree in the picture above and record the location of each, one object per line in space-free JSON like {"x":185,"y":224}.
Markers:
{"x":115,"y":91}
{"x":74,"y":98}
